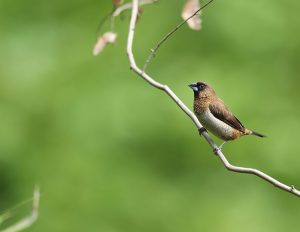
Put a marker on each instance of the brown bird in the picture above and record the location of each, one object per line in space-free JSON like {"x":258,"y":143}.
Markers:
{"x":215,"y":116}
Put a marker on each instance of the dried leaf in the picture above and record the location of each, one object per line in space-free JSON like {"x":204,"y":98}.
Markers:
{"x":190,"y":7}
{"x":117,"y":3}
{"x":106,"y":38}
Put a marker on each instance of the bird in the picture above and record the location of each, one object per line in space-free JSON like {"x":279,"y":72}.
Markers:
{"x":215,"y":116}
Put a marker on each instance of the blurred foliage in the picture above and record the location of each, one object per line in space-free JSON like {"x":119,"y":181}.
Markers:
{"x":113,"y":154}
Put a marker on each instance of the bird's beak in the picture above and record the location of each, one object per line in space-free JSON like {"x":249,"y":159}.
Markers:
{"x":194,"y":87}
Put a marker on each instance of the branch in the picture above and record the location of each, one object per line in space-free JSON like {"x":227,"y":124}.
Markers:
{"x":116,"y":12}
{"x":154,"y":50}
{"x":188,"y":112}
{"x":30,"y":219}
{"x":127,"y":6}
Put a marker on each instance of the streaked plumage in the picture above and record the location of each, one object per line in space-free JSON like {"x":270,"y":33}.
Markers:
{"x":215,"y":116}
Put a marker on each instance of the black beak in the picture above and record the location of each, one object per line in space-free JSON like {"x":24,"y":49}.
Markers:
{"x":194,"y":87}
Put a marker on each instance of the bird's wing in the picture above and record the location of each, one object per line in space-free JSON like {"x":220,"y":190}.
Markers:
{"x":221,"y":112}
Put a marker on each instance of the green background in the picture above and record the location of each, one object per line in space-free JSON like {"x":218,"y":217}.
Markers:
{"x":112,"y":154}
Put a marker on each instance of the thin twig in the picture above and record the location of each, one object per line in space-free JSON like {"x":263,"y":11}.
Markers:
{"x":154,"y":50}
{"x":188,"y":112}
{"x":30,"y":219}
{"x":102,"y":21}
{"x":128,"y":6}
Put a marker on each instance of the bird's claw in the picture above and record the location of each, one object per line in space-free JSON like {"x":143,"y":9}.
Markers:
{"x":219,"y":148}
{"x":201,"y":130}
{"x":216,"y":150}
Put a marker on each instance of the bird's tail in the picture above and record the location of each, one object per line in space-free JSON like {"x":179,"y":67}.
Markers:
{"x":249,"y":132}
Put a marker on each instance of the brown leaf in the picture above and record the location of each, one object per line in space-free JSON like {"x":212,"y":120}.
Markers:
{"x":117,"y":3}
{"x":190,"y":7}
{"x":106,"y":38}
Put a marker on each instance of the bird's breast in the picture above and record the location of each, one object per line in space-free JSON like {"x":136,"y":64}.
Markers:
{"x":216,"y":126}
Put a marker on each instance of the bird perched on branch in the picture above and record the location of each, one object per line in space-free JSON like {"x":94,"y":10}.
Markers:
{"x":215,"y":116}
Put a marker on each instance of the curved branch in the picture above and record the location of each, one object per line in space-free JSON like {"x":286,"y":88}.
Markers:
{"x":188,"y":112}
{"x":27,"y":221}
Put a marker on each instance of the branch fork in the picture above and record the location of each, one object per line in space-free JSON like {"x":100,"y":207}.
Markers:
{"x":142,"y":73}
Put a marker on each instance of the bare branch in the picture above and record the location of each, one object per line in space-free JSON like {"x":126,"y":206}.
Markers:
{"x":154,"y":50}
{"x":30,"y":219}
{"x":188,"y":112}
{"x":128,"y":6}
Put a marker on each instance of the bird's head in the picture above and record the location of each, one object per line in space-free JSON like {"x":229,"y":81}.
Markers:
{"x":202,"y":90}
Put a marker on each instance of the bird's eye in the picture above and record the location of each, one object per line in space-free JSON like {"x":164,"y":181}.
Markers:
{"x":201,"y":86}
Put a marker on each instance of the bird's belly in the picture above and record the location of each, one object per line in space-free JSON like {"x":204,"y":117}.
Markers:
{"x":216,"y":126}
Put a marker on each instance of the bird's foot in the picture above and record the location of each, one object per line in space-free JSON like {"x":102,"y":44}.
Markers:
{"x":201,"y":130}
{"x":216,"y":150}
{"x":220,"y":147}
